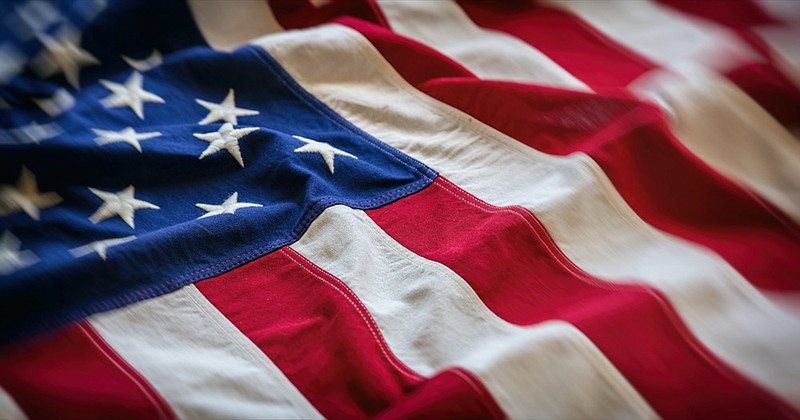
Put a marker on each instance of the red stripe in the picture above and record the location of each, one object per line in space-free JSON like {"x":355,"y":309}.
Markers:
{"x":767,"y":85}
{"x":771,"y":89}
{"x":323,"y":339}
{"x":73,"y":373}
{"x":513,"y":265}
{"x":449,"y":394}
{"x":292,"y":14}
{"x":396,"y":48}
{"x":733,"y":14}
{"x":600,"y":61}
{"x":580,"y":49}
{"x":741,"y":16}
{"x":664,"y":183}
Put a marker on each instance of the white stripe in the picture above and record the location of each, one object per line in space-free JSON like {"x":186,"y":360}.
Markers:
{"x":784,"y":47}
{"x":783,"y":10}
{"x":723,"y":126}
{"x":9,"y":410}
{"x":746,"y":145}
{"x":572,"y":197}
{"x":790,"y":301}
{"x":432,"y":320}
{"x":227,"y":25}
{"x":663,"y":35}
{"x":489,"y":54}
{"x":740,"y":140}
{"x":198,"y":361}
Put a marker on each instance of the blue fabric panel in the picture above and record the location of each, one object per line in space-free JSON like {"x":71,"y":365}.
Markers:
{"x":173,"y":247}
{"x":108,"y":29}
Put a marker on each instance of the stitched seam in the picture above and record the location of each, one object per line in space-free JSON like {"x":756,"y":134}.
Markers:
{"x":616,"y":202}
{"x":254,"y":356}
{"x":360,"y":308}
{"x":726,"y":271}
{"x":394,"y":80}
{"x":467,"y":293}
{"x":611,"y":375}
{"x":391,"y":77}
{"x":550,"y":246}
{"x":333,"y":117}
{"x":675,"y":143}
{"x":472,"y":382}
{"x":311,"y":213}
{"x":746,"y":184}
{"x":132,"y":296}
{"x":625,"y":390}
{"x":166,"y":286}
{"x":681,"y":328}
{"x":120,"y":364}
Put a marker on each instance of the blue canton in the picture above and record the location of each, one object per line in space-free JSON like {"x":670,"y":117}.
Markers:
{"x":154,"y":178}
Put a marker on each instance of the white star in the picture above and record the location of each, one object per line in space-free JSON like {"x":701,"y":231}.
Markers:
{"x":147,"y":63}
{"x":229,"y":206}
{"x":225,"y":138}
{"x":121,"y":203}
{"x":63,"y":55}
{"x":131,"y":94}
{"x":327,"y":151}
{"x":100,"y":247}
{"x":225,"y":110}
{"x":35,"y":132}
{"x":11,"y":258}
{"x":57,"y":104}
{"x":34,"y":17}
{"x":126,"y":135}
{"x":12,"y":62}
{"x":25,"y":196}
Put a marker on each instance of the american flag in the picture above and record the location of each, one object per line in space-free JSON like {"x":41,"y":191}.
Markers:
{"x":397,"y":209}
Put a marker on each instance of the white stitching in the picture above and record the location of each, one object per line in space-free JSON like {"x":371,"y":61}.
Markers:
{"x":146,"y":390}
{"x":257,"y":357}
{"x":358,"y":305}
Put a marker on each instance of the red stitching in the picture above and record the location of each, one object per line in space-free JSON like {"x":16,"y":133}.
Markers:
{"x":363,"y":312}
